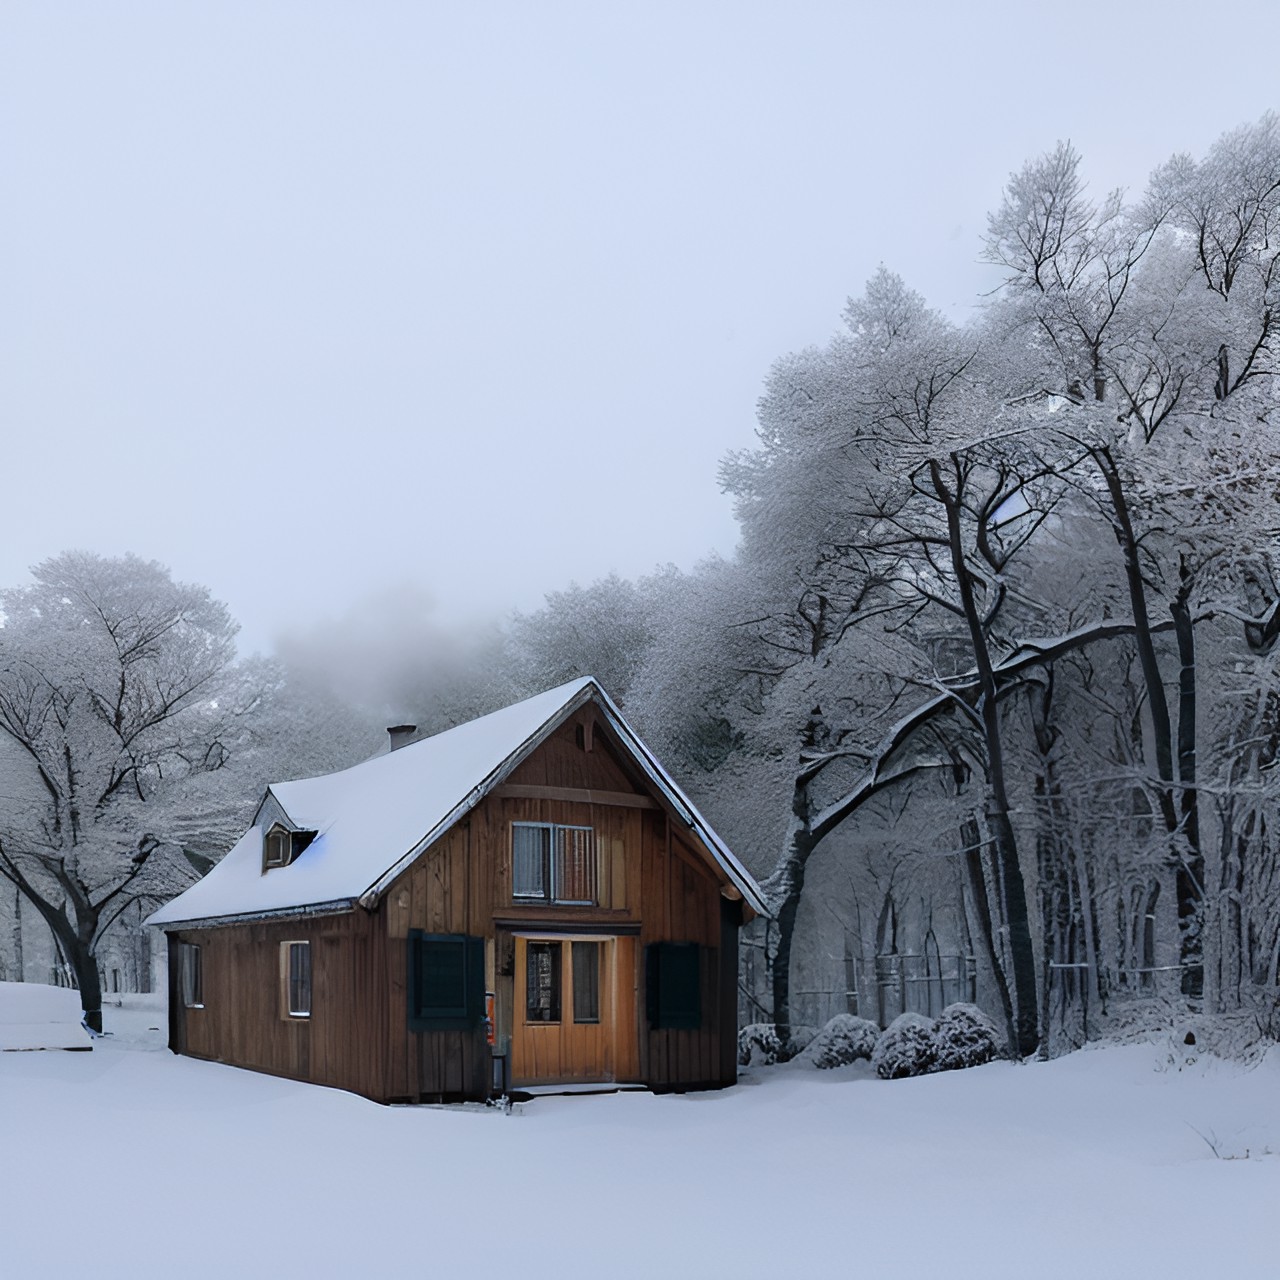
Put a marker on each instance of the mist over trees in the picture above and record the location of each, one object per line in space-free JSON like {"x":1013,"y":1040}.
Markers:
{"x":991,"y":673}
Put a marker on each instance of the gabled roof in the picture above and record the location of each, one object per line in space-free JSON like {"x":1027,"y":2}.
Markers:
{"x":374,"y":819}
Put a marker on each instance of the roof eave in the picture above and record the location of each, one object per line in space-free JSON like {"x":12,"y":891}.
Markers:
{"x":336,"y":907}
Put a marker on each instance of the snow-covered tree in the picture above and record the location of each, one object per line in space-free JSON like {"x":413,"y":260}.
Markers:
{"x":120,"y":707}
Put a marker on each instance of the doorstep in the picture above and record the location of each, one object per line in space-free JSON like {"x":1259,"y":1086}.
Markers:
{"x":523,"y":1092}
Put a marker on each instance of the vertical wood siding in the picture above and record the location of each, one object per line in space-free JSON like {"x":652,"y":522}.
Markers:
{"x":681,"y":903}
{"x":342,"y":1043}
{"x":446,"y":891}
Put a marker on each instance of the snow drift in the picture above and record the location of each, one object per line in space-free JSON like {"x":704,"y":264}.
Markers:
{"x":33,"y":1016}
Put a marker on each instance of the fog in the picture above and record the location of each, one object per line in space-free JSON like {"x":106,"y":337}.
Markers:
{"x":323,"y":303}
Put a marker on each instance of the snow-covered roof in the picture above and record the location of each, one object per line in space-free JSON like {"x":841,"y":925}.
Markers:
{"x":374,"y":819}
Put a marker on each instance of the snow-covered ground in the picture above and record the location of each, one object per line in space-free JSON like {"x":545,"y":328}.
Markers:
{"x":131,"y":1162}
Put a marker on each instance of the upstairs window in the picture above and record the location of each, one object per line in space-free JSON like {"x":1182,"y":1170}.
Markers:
{"x":552,"y":863}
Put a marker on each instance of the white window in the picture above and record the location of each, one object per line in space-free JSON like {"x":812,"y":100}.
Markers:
{"x":295,"y":979}
{"x":551,"y":863}
{"x":191,"y":975}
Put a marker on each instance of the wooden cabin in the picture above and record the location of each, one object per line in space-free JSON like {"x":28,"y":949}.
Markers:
{"x":525,"y":900}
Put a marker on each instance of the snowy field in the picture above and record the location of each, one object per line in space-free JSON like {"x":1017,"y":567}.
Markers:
{"x":130,"y":1162}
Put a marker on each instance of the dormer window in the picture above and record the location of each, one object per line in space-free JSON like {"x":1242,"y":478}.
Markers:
{"x":278,"y":850}
{"x":280,"y":846}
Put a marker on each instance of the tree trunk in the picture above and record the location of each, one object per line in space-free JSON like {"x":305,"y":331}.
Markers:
{"x":1181,"y":822}
{"x":84,"y":964}
{"x":1021,"y":952}
{"x":1097,"y":989}
{"x":1057,"y":908}
{"x":788,"y":907}
{"x":1013,"y":887}
{"x":1190,"y":868}
{"x":972,"y":838}
{"x":1157,"y":702}
{"x":74,"y":941}
{"x":19,"y":960}
{"x":788,"y":883}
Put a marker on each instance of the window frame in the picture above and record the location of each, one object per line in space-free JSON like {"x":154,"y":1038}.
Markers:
{"x":287,"y":1011}
{"x":190,"y":975}
{"x":550,"y":896}
{"x":555,"y":948}
{"x":277,"y":831}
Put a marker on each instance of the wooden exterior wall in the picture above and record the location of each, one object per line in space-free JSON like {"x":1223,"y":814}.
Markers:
{"x":344,"y":1041}
{"x":655,"y":884}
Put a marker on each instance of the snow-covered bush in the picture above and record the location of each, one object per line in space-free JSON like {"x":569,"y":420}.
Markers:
{"x":843,"y":1040}
{"x":965,"y":1037}
{"x":758,"y":1045}
{"x":908,"y":1047}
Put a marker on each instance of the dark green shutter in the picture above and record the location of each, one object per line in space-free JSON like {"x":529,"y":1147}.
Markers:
{"x":673,"y":985}
{"x":446,"y":981}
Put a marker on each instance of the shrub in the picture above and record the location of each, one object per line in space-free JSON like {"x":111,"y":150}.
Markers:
{"x":758,"y":1045}
{"x":966,"y":1037}
{"x":843,"y":1040}
{"x":908,"y":1047}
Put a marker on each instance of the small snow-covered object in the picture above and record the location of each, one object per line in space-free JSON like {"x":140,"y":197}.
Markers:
{"x":966,"y":1037}
{"x":843,"y":1040}
{"x":758,"y":1045}
{"x":33,"y":1016}
{"x":908,"y":1047}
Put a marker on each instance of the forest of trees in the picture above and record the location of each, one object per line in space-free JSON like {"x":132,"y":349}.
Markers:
{"x":991,"y":672}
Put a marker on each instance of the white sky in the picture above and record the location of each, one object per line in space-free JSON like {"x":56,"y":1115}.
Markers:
{"x":309,"y":300}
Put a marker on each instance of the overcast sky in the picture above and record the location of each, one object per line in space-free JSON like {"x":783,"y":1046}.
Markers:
{"x":312,"y":300}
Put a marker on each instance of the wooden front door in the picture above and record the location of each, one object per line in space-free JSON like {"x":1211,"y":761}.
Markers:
{"x":574,"y":1010}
